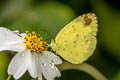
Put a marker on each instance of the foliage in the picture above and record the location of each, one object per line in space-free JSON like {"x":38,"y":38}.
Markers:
{"x":47,"y":17}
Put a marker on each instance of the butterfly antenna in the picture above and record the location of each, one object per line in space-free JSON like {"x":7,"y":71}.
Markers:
{"x":48,"y":35}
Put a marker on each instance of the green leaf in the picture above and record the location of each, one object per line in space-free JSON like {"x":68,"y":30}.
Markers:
{"x":3,"y":65}
{"x":46,"y":18}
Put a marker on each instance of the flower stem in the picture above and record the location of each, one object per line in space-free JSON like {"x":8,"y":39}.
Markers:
{"x":83,"y":67}
{"x":9,"y":77}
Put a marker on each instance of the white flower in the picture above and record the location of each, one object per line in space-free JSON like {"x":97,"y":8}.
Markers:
{"x":31,"y":56}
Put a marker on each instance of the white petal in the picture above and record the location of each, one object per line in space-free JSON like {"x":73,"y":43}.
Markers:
{"x":19,"y":47}
{"x":9,"y":36}
{"x":22,"y":35}
{"x":19,"y":64}
{"x":40,"y":77}
{"x":38,"y":66}
{"x":48,"y":68}
{"x":16,"y":32}
{"x":32,"y":69}
{"x":9,"y":40}
{"x":52,"y":57}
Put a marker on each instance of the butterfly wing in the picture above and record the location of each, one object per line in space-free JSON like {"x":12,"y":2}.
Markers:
{"x":77,"y":40}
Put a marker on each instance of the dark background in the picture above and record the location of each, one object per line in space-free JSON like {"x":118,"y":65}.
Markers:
{"x":47,"y":17}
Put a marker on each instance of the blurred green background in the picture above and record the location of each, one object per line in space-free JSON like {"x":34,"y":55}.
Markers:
{"x":47,"y":17}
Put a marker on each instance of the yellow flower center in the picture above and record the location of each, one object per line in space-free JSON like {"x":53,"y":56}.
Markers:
{"x":34,"y":42}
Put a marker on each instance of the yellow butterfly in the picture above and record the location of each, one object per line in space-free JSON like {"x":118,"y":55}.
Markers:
{"x":76,"y":42}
